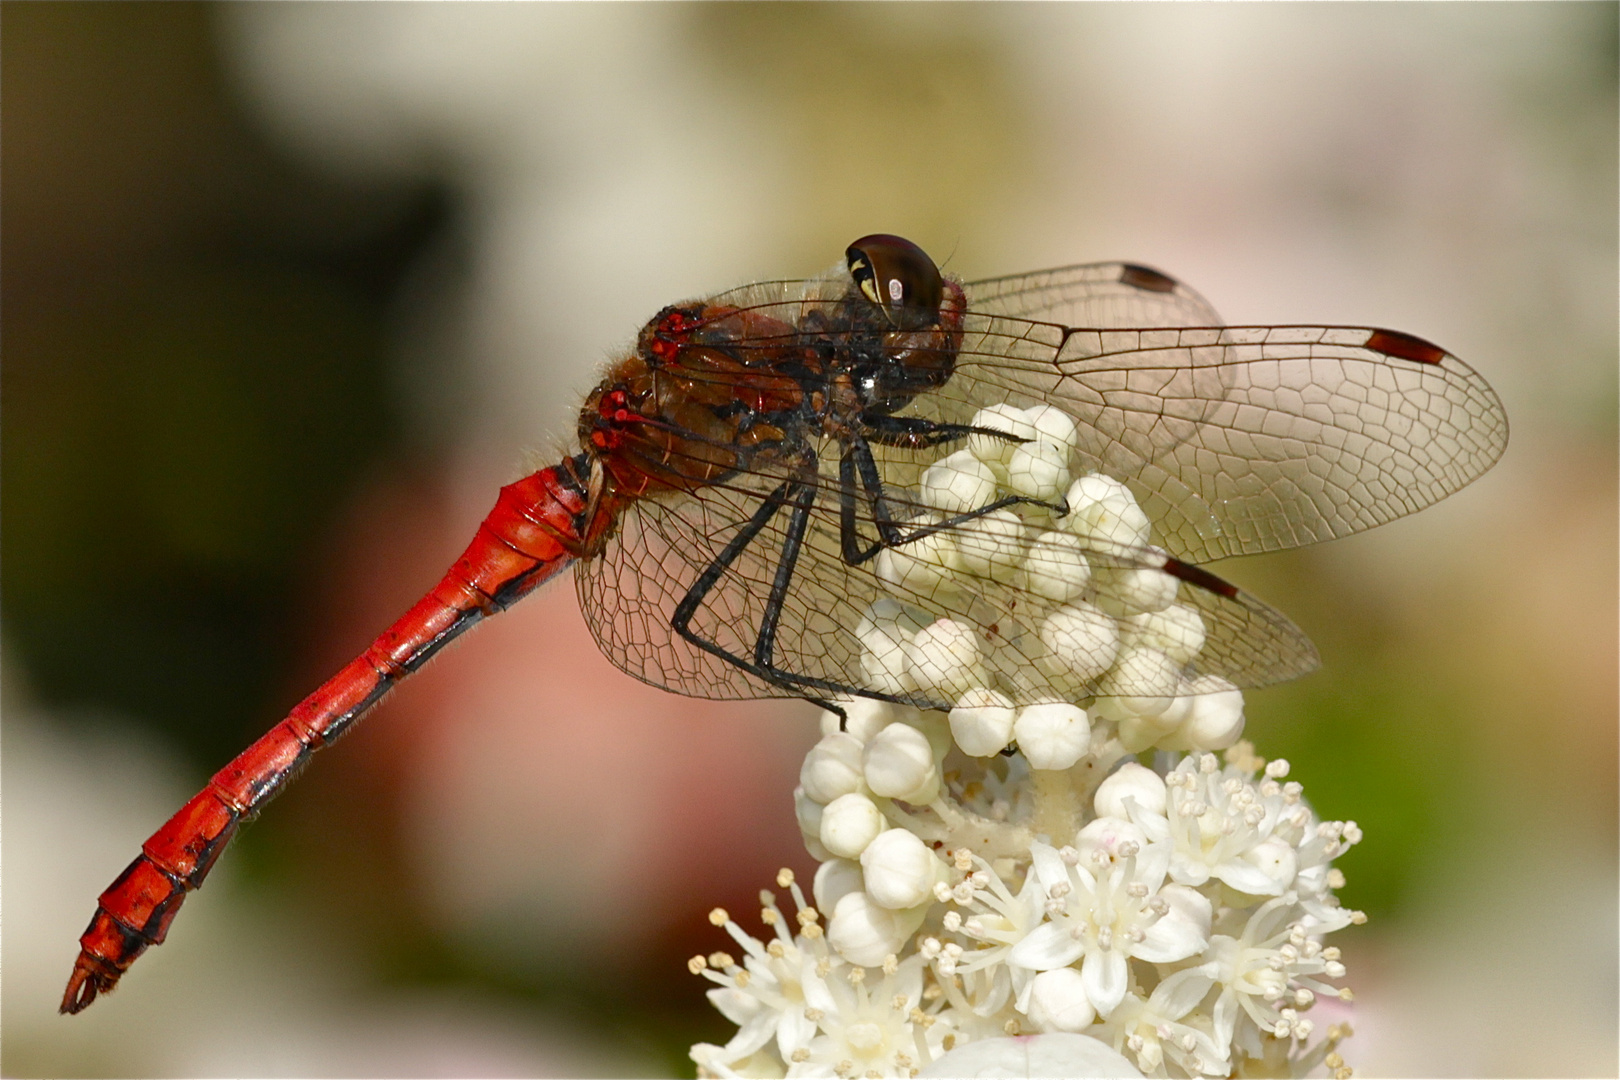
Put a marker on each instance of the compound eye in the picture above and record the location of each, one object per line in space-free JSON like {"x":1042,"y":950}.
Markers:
{"x":899,"y":277}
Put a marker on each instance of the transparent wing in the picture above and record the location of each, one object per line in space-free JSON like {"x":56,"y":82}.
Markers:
{"x":1239,"y":440}
{"x":1234,"y":440}
{"x":846,"y":628}
{"x":1097,"y":295}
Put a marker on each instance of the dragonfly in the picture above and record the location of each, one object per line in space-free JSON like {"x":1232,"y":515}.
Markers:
{"x":745,"y":472}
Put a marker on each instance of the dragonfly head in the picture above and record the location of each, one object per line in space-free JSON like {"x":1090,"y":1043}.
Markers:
{"x":898,"y":277}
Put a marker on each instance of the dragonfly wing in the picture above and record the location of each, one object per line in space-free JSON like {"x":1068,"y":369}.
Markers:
{"x":665,"y":544}
{"x":843,"y":628}
{"x":1238,"y":440}
{"x":1100,"y":295}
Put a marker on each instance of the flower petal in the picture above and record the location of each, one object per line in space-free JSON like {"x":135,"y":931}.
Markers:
{"x":1172,"y":938}
{"x":733,"y":1004}
{"x":1185,"y":870}
{"x":1105,"y":976}
{"x":1179,"y":994}
{"x":1246,"y":877}
{"x":753,"y":1035}
{"x":1225,"y":1016}
{"x":793,"y":1030}
{"x":1057,"y":1054}
{"x":1049,"y":868}
{"x":1048,"y":946}
{"x":816,"y":993}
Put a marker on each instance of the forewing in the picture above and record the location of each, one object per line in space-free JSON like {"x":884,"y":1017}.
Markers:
{"x":1238,"y":440}
{"x":1097,"y":295}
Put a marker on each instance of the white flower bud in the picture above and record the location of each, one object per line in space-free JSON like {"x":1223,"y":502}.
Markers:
{"x":1107,"y":834}
{"x":884,"y":673}
{"x":1055,"y":567}
{"x":1079,"y":643}
{"x":836,"y":879}
{"x":1177,"y":631}
{"x":1058,"y":1001}
{"x":1038,"y":470}
{"x":1054,"y":426}
{"x":1132,"y":590}
{"x":1131,"y":781}
{"x":1143,"y":682}
{"x":936,"y":728}
{"x":1014,"y":421}
{"x":884,"y":632}
{"x":899,"y":870}
{"x":899,"y":764}
{"x":864,"y":933}
{"x":982,"y":722}
{"x":849,"y":823}
{"x":809,"y":812}
{"x":866,"y":717}
{"x":922,"y":567}
{"x":1104,"y":511}
{"x":945,"y":658}
{"x":1097,"y":487}
{"x":1137,"y":733}
{"x":832,"y":768}
{"x":1215,"y":715}
{"x":993,"y":545}
{"x":1052,"y":736}
{"x":958,"y":483}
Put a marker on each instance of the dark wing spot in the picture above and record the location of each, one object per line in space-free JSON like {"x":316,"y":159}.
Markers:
{"x":1405,"y":347}
{"x":1195,"y":575}
{"x":1146,"y":278}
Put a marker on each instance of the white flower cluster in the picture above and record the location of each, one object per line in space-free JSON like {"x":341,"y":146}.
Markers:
{"x":1026,"y":603}
{"x":1163,"y":921}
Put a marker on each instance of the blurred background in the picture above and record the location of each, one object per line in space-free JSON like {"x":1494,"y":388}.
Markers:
{"x":290,"y":290}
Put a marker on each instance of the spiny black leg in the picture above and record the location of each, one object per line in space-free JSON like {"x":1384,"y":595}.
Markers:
{"x":857,"y":456}
{"x":920,"y":433}
{"x":681,"y":620}
{"x":806,"y":686}
{"x":765,"y":643}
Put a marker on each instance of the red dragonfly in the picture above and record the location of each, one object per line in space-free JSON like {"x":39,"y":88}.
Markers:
{"x":741,"y":471}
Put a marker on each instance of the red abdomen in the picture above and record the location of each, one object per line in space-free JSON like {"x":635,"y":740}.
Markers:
{"x":538,"y":526}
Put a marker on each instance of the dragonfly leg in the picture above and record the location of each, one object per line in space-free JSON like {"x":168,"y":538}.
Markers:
{"x":765,"y":643}
{"x":800,"y":496}
{"x":920,"y":433}
{"x":857,"y":457}
{"x":681,"y":619}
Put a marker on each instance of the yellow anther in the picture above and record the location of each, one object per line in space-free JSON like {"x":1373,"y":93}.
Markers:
{"x":718,"y":917}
